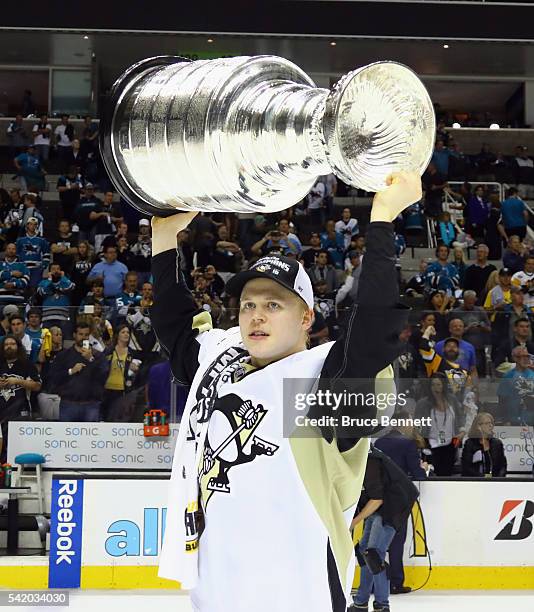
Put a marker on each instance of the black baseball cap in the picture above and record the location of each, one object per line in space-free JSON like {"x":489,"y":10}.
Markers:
{"x":451,"y":339}
{"x":285,"y":271}
{"x":505,"y":272}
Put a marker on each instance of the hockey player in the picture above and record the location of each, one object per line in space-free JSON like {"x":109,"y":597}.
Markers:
{"x":257,"y":520}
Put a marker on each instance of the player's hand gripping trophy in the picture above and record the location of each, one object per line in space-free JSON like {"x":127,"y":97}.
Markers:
{"x":252,"y":134}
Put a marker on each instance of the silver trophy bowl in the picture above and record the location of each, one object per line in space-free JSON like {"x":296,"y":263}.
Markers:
{"x":252,"y":134}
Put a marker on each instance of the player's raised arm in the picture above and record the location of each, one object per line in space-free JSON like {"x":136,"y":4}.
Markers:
{"x":176,"y":319}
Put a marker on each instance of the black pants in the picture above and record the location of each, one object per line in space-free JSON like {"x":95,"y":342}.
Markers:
{"x":396,"y":552}
{"x":443,"y":459}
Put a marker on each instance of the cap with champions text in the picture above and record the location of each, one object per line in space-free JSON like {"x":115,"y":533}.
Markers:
{"x":285,"y":271}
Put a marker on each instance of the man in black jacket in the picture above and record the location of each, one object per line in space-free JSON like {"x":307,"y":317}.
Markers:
{"x":78,"y":375}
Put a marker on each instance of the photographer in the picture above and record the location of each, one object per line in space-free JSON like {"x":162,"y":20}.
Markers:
{"x":78,"y":375}
{"x":206,"y":300}
{"x":274,"y":241}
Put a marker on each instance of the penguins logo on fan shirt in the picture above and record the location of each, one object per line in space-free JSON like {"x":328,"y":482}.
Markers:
{"x":231,"y":441}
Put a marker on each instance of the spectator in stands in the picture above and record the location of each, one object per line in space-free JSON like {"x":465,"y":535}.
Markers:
{"x":30,"y":210}
{"x":123,"y":252}
{"x":459,"y":163}
{"x":287,"y":228}
{"x":416,"y":284}
{"x":524,"y":279}
{"x":477,"y":274}
{"x":477,"y":213}
{"x":458,"y":259}
{"x":440,"y":158}
{"x":34,"y":252}
{"x":105,"y":217}
{"x":14,"y":277}
{"x":334,"y":242}
{"x":7,"y":312}
{"x":325,"y":302}
{"x":113,"y":239}
{"x":86,"y":213}
{"x":521,"y":337}
{"x":206,"y":300}
{"x":524,"y":172}
{"x":29,"y":169}
{"x":112,"y":272}
{"x":273,"y":241}
{"x":503,"y":326}
{"x":42,"y":133}
{"x":499,"y":296}
{"x":96,"y":296}
{"x":477,"y":328}
{"x":69,"y":187}
{"x":215,"y":282}
{"x":141,"y":252}
{"x":38,"y":335}
{"x":64,"y":135}
{"x":129,"y":296}
{"x":446,"y":230}
{"x":75,"y":157}
{"x":358,"y":244}
{"x":17,"y":326}
{"x":442,"y":275}
{"x":447,"y":421}
{"x":143,"y":340}
{"x":227,"y":255}
{"x":322,"y":270}
{"x":65,"y":247}
{"x":514,"y":216}
{"x":514,"y":256}
{"x":101,"y":334}
{"x":309,"y":255}
{"x":123,"y":370}
{"x":55,"y":291}
{"x":434,"y":184}
{"x":16,"y":136}
{"x":79,"y":375}
{"x":516,"y":390}
{"x":83,"y":262}
{"x":18,"y":378}
{"x":47,"y":356}
{"x":483,"y":454}
{"x":458,"y":378}
{"x":347,"y":226}
{"x":466,"y":358}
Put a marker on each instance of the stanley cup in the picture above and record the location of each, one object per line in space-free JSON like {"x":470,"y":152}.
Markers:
{"x":252,"y":134}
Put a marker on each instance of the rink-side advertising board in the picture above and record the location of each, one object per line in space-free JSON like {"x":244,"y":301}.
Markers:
{"x":115,"y":446}
{"x":122,"y":446}
{"x":66,"y":533}
{"x":108,"y":533}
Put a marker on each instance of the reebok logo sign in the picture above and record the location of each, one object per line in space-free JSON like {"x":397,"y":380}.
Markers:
{"x":64,"y":570}
{"x":65,"y":524}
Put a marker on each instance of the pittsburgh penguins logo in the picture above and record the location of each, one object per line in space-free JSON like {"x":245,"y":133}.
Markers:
{"x":231,"y":441}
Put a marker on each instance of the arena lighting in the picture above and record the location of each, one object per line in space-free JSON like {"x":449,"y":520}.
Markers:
{"x":333,"y":43}
{"x":445,"y":46}
{"x":210,"y":40}
{"x":456,"y":126}
{"x":86,"y":37}
{"x":494,"y":126}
